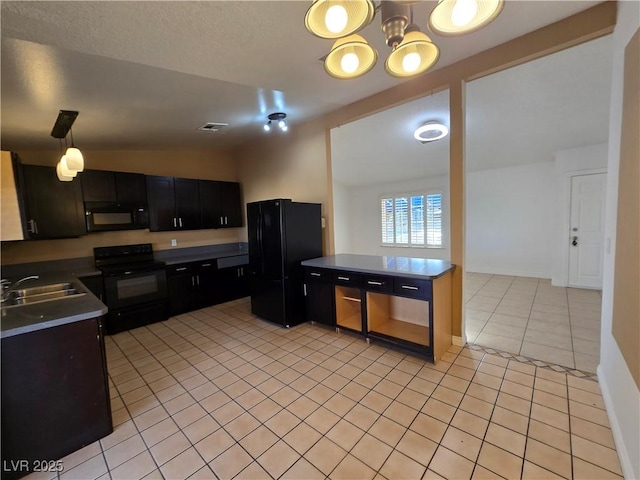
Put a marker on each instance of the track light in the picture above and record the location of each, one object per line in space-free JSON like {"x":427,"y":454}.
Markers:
{"x":279,"y":118}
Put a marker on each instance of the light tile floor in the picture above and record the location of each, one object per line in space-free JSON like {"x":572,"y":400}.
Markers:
{"x":530,"y":317}
{"x":218,"y":393}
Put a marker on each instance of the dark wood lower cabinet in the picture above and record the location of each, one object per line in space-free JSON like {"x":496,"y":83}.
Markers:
{"x":319,"y":297}
{"x":55,"y":395}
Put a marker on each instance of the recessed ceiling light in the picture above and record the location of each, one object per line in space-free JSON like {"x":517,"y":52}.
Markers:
{"x":430,"y":132}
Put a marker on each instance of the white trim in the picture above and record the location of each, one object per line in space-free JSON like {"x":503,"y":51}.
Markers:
{"x":459,"y":341}
{"x":618,"y":439}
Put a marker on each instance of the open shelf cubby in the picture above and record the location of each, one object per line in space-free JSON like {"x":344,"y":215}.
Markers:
{"x":348,"y":308}
{"x":387,"y":315}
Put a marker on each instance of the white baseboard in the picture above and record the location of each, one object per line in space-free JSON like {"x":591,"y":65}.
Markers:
{"x":492,"y":270}
{"x":458,"y":341}
{"x":623,"y":455}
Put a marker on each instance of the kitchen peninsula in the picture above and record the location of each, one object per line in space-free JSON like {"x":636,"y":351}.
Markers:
{"x":402,"y":300}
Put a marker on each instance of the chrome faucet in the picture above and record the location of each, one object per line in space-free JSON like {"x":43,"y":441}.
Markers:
{"x":8,"y":287}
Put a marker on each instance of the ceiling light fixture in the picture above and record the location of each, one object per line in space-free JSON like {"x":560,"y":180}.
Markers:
{"x":72,"y":160}
{"x":457,"y":17}
{"x":280,"y":120}
{"x":412,"y":53}
{"x":430,"y":132}
{"x":338,"y":18}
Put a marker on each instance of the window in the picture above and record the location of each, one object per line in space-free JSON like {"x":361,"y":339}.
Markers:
{"x":412,"y":220}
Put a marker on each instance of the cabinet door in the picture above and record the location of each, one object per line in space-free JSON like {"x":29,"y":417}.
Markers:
{"x":98,"y":186}
{"x":161,"y":203}
{"x":319,"y":303}
{"x":234,"y":283}
{"x":230,"y":204}
{"x":208,"y":284}
{"x":187,"y":203}
{"x":130,"y":187}
{"x":210,"y":204}
{"x":182,"y":293}
{"x":55,"y":208}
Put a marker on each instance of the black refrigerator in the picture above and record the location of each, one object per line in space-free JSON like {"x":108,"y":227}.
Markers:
{"x":282,"y":234}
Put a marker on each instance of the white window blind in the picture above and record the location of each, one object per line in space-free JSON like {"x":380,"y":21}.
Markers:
{"x":412,"y":220}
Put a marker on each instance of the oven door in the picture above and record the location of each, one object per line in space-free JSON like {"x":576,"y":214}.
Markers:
{"x":135,"y":287}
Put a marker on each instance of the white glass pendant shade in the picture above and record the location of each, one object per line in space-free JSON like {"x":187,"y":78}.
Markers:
{"x":457,"y":17}
{"x":416,"y":54}
{"x":338,"y":18}
{"x":75,"y":161}
{"x":350,"y":57}
{"x":64,"y":175}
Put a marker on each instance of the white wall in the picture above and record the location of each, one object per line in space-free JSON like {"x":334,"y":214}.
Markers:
{"x":363,"y":222}
{"x":510,"y":220}
{"x":569,"y":162}
{"x":341,"y":218}
{"x":621,"y":394}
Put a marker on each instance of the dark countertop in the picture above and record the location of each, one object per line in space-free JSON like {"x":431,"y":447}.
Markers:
{"x":199,"y":257}
{"x":423,"y":268}
{"x":16,"y":320}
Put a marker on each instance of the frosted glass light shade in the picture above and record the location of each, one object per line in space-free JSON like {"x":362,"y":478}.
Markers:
{"x":64,"y":175}
{"x":457,"y":17}
{"x":415,"y":55}
{"x":75,"y":161}
{"x":367,"y":57}
{"x":325,"y":18}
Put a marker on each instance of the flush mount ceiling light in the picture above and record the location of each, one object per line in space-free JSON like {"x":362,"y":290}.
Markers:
{"x":430,"y":132}
{"x":72,"y":160}
{"x":412,"y":53}
{"x":457,"y":17}
{"x":278,"y":119}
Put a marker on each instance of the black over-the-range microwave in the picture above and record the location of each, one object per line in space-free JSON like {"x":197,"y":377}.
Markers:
{"x":106,"y":216}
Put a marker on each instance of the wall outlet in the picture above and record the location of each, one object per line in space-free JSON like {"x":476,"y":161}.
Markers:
{"x":323,"y":222}
{"x":174,"y":242}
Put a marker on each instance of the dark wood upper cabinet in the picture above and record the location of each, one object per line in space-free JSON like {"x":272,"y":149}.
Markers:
{"x":220,"y":204}
{"x":54,"y":209}
{"x":98,"y":186}
{"x":174,"y":203}
{"x":131,"y":187}
{"x":105,"y":186}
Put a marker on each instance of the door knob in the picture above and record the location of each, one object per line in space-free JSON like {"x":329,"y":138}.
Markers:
{"x":574,"y":242}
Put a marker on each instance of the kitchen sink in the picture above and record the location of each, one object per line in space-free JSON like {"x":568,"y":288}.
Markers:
{"x":43,"y":293}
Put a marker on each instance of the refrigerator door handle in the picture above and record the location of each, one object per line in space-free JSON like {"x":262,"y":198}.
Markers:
{"x":261,"y":241}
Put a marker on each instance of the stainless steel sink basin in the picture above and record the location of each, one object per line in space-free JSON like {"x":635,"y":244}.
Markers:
{"x":43,"y":293}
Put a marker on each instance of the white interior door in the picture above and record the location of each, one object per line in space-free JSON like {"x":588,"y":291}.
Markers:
{"x":586,"y":235}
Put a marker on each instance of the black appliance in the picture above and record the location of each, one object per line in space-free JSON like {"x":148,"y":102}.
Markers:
{"x":282,"y":234}
{"x":108,"y":216}
{"x":135,"y":286}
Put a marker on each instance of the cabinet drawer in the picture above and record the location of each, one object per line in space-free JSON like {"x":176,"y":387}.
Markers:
{"x":412,"y":287}
{"x":317,"y":275}
{"x":377,"y":283}
{"x":347,"y":278}
{"x":207,"y":265}
{"x":180,"y":269}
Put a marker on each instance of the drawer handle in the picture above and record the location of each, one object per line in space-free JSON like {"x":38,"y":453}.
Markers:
{"x":344,"y":278}
{"x":314,"y":274}
{"x":182,"y":269}
{"x":205,"y":265}
{"x":409,"y":287}
{"x":370,"y":282}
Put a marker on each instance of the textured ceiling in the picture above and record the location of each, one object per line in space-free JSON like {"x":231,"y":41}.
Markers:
{"x":519,"y":116}
{"x":147,"y":74}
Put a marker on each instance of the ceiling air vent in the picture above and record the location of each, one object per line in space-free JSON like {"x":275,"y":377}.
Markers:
{"x":213,"y":126}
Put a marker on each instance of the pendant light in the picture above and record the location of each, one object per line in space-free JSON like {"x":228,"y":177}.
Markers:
{"x":75,"y":161}
{"x":338,"y":18}
{"x":457,"y":17}
{"x":350,"y":57}
{"x":414,"y":55}
{"x":60,"y":171}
